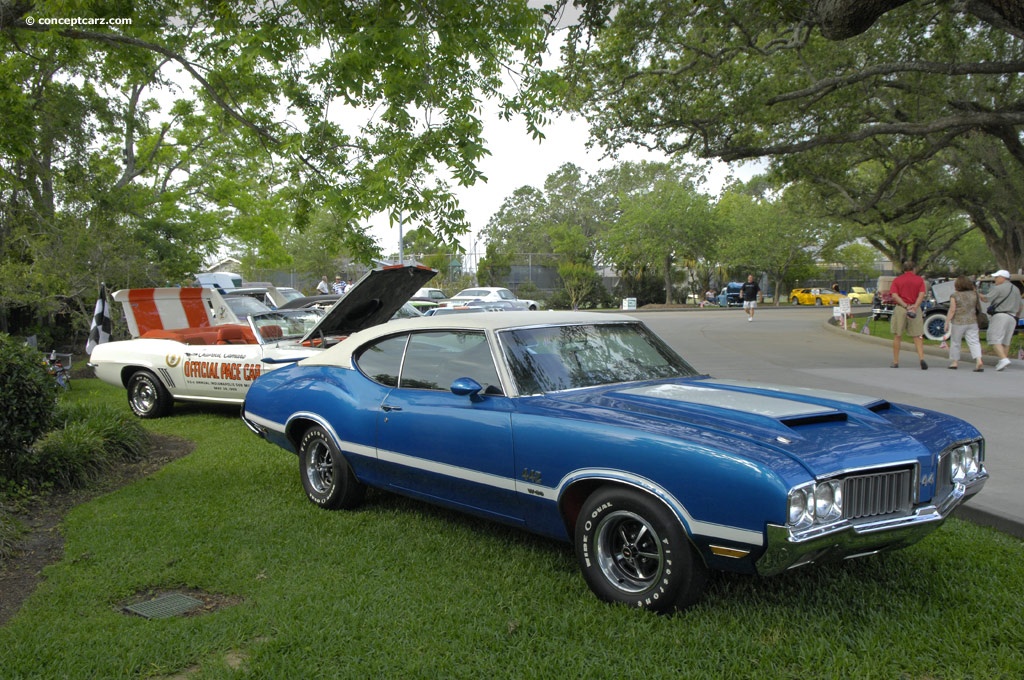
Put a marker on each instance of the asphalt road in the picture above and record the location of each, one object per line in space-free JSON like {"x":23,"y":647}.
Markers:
{"x":794,"y":346}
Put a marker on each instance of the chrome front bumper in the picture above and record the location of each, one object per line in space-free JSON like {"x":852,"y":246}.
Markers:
{"x":847,"y":540}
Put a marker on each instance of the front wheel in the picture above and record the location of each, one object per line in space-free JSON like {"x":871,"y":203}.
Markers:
{"x":796,"y":300}
{"x":328,"y":480}
{"x":817,"y":302}
{"x":147,"y":396}
{"x":632,"y":550}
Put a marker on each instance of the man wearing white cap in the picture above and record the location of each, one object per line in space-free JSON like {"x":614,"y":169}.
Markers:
{"x":1004,"y":304}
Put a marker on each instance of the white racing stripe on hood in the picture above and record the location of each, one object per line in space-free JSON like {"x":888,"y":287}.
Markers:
{"x":814,"y":393}
{"x":772,"y":407}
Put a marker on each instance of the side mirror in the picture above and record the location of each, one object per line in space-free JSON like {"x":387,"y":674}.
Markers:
{"x":467,"y":387}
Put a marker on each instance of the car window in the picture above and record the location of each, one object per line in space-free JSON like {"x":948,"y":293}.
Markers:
{"x":552,"y":358}
{"x":244,"y":306}
{"x":382,"y":361}
{"x":284,"y":324}
{"x":434,"y":360}
{"x":505,"y":294}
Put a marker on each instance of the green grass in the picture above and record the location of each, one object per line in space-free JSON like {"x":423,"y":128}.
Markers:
{"x":401,"y":590}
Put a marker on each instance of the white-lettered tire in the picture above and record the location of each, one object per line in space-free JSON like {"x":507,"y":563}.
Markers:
{"x":326,"y":476}
{"x":147,"y":396}
{"x":935,"y":326}
{"x":632,"y":550}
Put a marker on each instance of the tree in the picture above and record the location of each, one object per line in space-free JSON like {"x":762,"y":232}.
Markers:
{"x":670,"y":222}
{"x":580,"y":280}
{"x":915,"y":97}
{"x":775,"y":237}
{"x":202,"y":126}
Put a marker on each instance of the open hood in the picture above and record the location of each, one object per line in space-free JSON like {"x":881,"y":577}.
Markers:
{"x":372,"y":300}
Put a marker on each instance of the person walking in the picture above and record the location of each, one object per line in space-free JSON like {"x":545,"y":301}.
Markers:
{"x":962,"y":323}
{"x":1003,"y":309}
{"x":749,"y":293}
{"x":908,"y":291}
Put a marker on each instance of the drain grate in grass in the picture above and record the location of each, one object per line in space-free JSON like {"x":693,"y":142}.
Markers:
{"x":165,"y":606}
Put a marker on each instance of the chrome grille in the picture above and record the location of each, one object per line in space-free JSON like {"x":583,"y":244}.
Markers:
{"x":883,"y":493}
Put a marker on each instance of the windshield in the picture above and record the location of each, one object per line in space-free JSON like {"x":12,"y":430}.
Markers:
{"x":285,"y":324}
{"x":552,"y":358}
{"x":243,"y":306}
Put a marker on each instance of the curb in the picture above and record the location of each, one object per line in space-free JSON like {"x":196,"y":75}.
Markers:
{"x":984,"y":518}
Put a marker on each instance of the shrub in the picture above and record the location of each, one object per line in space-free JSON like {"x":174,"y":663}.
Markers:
{"x":28,"y":397}
{"x":65,"y":458}
{"x":87,"y":442}
{"x":124,"y":438}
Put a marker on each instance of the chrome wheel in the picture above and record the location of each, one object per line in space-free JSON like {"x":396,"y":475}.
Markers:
{"x":320,"y":468}
{"x":147,"y":397}
{"x":629,"y":551}
{"x":143,"y":397}
{"x":326,"y":476}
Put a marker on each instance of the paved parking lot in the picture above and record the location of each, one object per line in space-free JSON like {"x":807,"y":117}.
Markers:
{"x":792,"y":346}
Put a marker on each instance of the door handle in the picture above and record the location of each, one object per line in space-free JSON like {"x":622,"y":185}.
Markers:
{"x":388,"y":408}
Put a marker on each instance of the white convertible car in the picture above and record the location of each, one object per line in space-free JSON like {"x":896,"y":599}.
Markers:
{"x":188,"y":346}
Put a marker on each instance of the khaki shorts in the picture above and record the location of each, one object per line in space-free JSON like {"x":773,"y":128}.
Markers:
{"x":1000,"y":329}
{"x":901,"y":325}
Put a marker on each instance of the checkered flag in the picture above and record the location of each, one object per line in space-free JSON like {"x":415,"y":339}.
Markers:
{"x":99,"y":332}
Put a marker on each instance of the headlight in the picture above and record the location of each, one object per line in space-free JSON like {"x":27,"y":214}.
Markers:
{"x":828,"y":501}
{"x":801,"y":507}
{"x":819,"y":503}
{"x":966,"y":461}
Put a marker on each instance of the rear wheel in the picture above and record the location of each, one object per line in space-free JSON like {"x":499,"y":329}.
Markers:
{"x":817,"y":302}
{"x":147,"y":396}
{"x":328,"y":480}
{"x":632,"y":550}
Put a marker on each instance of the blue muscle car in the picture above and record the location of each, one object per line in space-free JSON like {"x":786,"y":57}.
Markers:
{"x":588,"y":428}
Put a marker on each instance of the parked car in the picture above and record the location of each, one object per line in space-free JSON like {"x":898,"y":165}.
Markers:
{"x":814,"y":296}
{"x":219,"y":280}
{"x":491,"y":295}
{"x":860,"y":296}
{"x":267,"y":293}
{"x":586,"y":427}
{"x":189,"y":346}
{"x":442,"y":311}
{"x":730,"y":295}
{"x":435,"y":295}
{"x":244,"y":306}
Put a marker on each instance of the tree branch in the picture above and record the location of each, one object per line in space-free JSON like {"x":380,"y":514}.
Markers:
{"x":946,"y":69}
{"x":958,"y":124}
